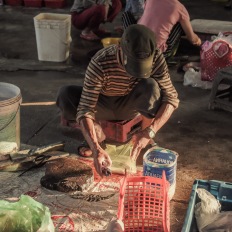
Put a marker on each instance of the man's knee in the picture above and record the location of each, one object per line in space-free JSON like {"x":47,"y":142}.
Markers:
{"x":62,"y":93}
{"x":68,"y":99}
{"x":149,"y":85}
{"x":68,"y":95}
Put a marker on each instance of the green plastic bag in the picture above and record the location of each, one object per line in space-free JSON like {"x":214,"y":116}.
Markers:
{"x":121,"y":160}
{"x":25,"y":215}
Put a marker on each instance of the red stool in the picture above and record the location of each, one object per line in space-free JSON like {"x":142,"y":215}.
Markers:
{"x":117,"y":131}
{"x":121,"y":131}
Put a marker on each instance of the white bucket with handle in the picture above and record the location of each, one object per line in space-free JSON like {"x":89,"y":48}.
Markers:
{"x":10,"y":101}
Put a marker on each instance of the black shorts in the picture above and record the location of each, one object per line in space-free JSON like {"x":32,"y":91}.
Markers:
{"x":145,"y":99}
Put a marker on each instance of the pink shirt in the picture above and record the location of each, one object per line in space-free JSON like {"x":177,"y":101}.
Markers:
{"x":160,"y":16}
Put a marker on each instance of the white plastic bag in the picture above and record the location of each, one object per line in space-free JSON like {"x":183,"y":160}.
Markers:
{"x":193,"y":78}
{"x":222,"y":223}
{"x":208,"y":215}
{"x":207,"y":209}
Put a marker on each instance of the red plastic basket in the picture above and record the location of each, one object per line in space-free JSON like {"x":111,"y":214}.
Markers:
{"x":14,"y":2}
{"x":33,"y":3}
{"x":215,"y":57}
{"x":144,"y":204}
{"x":55,"y":3}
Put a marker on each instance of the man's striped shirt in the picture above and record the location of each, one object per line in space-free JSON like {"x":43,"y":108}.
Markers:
{"x":106,"y":75}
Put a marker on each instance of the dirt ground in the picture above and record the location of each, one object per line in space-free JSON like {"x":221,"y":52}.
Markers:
{"x":201,"y":137}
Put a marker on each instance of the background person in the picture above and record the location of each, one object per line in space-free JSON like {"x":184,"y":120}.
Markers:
{"x":120,"y":82}
{"x":169,"y":20}
{"x":87,"y":15}
{"x":133,"y":12}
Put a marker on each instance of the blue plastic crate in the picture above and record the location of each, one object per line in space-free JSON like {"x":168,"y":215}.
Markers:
{"x":222,"y":192}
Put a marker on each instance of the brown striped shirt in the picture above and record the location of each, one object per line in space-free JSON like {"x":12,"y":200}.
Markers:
{"x":106,"y":75}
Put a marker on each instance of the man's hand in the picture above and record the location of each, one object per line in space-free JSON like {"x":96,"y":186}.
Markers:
{"x":140,"y":141}
{"x":93,"y":134}
{"x":102,"y":161}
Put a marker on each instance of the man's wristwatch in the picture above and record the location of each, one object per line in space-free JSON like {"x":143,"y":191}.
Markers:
{"x":151,"y":133}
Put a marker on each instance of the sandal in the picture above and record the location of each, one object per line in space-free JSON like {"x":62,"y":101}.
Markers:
{"x":119,"y":29}
{"x":69,"y":123}
{"x":84,"y":149}
{"x":90,"y":37}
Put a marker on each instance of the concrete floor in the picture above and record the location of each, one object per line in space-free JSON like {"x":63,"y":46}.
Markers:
{"x":202,"y":137}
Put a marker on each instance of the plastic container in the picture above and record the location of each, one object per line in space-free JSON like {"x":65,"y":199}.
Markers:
{"x":55,"y":3}
{"x":158,"y":159}
{"x":121,"y":131}
{"x":53,"y":36}
{"x":222,"y":192}
{"x":106,"y":42}
{"x":33,"y":3}
{"x":10,"y":100}
{"x":211,"y":27}
{"x":144,"y":204}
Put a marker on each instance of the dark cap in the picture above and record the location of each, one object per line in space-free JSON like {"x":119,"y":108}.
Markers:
{"x":139,"y":45}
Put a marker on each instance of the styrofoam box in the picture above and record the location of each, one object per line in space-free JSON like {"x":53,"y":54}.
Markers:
{"x":211,"y":26}
{"x":53,"y":36}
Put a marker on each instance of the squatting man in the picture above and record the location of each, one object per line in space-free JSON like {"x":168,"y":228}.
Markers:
{"x":122,"y":81}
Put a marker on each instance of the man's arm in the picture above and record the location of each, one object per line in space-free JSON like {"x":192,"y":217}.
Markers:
{"x":162,"y":116}
{"x":141,"y":139}
{"x":169,"y":103}
{"x":191,"y":36}
{"x":101,"y":158}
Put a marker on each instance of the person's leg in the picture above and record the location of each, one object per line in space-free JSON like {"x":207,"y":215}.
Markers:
{"x":88,"y":21}
{"x":173,"y":41}
{"x":114,"y":10}
{"x":127,"y":19}
{"x":144,"y":99}
{"x":68,"y":98}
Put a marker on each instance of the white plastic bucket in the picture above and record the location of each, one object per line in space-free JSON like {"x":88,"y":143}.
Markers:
{"x":158,"y":159}
{"x":10,"y":101}
{"x":53,"y":36}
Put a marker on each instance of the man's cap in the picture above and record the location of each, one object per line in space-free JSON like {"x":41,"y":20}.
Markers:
{"x":138,"y":44}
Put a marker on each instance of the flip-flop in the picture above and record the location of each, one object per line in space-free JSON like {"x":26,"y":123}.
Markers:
{"x":119,"y":29}
{"x":84,"y":150}
{"x":68,"y":123}
{"x":90,"y":37}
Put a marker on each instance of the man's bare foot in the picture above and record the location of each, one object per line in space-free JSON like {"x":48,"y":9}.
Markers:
{"x":84,"y":150}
